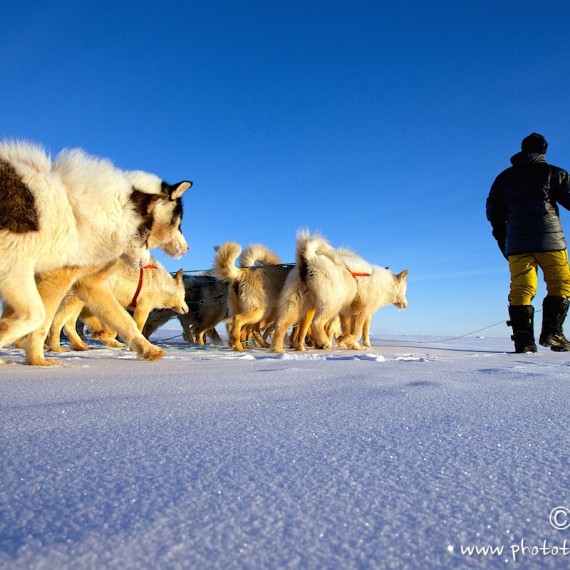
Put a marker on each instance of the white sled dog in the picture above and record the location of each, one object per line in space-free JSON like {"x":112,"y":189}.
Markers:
{"x":376,"y":287}
{"x":69,"y":222}
{"x":327,"y":282}
{"x":318,"y":289}
{"x":139,"y":289}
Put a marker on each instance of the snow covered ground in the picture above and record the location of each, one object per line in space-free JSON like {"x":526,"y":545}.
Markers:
{"x":405,"y":455}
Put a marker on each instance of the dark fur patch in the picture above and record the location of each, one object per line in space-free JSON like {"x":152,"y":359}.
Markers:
{"x":303,"y":270}
{"x":177,"y":213}
{"x":142,"y":203}
{"x":168,"y":189}
{"x":18,"y":212}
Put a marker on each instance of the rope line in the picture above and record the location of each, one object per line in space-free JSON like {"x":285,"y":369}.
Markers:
{"x":461,"y":335}
{"x":208,"y":272}
{"x":453,"y":337}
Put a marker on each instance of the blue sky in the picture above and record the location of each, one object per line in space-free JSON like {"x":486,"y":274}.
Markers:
{"x":382,"y":125}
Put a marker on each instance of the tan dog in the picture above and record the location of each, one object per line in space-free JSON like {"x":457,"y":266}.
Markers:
{"x":253,"y":290}
{"x":141,"y":289}
{"x":207,"y":299}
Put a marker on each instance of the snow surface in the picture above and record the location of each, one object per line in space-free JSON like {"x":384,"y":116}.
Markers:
{"x":398,"y":456}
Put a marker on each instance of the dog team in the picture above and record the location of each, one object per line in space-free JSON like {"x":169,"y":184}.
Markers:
{"x":75,"y":239}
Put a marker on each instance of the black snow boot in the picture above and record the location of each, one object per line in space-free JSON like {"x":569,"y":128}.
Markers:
{"x":522,"y":322}
{"x":554,"y":312}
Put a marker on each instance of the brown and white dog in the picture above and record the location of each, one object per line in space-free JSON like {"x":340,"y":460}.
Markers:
{"x":138,"y":289}
{"x":254,"y":290}
{"x":68,"y":222}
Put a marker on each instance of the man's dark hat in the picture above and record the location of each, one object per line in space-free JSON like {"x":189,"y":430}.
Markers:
{"x":534,"y":143}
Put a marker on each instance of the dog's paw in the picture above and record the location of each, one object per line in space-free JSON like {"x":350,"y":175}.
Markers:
{"x":113,"y":343}
{"x":153,"y":354}
{"x":44,"y":362}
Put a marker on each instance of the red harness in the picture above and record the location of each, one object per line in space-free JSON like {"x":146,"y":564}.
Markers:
{"x":139,"y":286}
{"x":357,"y":274}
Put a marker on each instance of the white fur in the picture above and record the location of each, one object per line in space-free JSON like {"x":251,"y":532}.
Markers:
{"x":144,"y":181}
{"x":25,"y":156}
{"x":330,"y":283}
{"x":258,"y":254}
{"x":326,"y":290}
{"x":105,"y":223}
{"x":380,"y":287}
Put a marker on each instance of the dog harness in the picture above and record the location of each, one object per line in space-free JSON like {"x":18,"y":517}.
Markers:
{"x":139,"y":286}
{"x":357,"y":274}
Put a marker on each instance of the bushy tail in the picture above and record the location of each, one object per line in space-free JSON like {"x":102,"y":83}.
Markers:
{"x":309,"y":247}
{"x":258,"y":253}
{"x":225,"y":261}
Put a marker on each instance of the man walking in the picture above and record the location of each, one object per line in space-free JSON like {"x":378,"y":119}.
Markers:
{"x":523,"y":210}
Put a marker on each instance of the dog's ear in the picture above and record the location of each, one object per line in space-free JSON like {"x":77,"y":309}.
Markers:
{"x":401,"y":276}
{"x":179,"y":275}
{"x":175,"y":191}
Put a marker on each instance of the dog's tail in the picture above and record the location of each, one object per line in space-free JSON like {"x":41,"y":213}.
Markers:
{"x":225,"y":261}
{"x":257,"y":253}
{"x":309,"y":248}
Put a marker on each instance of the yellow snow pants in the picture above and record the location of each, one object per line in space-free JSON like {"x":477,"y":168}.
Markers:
{"x":524,"y":275}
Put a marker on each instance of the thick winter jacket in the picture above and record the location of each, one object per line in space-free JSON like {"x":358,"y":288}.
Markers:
{"x":523,"y":205}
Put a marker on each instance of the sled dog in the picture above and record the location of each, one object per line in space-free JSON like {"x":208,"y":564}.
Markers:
{"x":207,"y":299}
{"x":138,"y":289}
{"x":69,"y":222}
{"x":316,"y":291}
{"x":376,"y":287}
{"x":254,"y":290}
{"x":327,"y":283}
